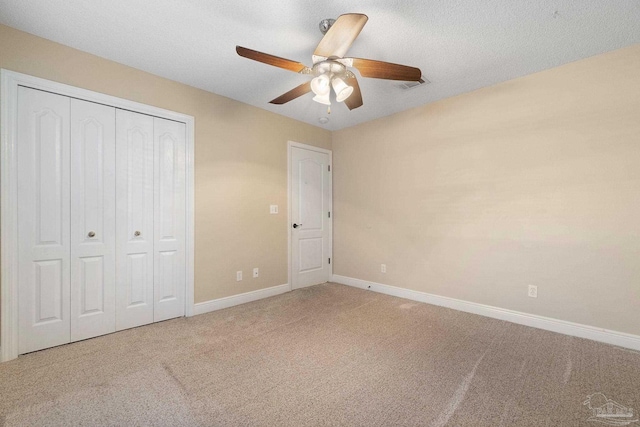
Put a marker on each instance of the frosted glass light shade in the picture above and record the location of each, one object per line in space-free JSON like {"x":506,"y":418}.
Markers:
{"x":343,"y":90}
{"x":323,"y":99}
{"x":320,"y":85}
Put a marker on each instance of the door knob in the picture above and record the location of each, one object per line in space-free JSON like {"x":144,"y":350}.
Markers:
{"x":137,"y":234}
{"x":297,"y":225}
{"x":91,"y":234}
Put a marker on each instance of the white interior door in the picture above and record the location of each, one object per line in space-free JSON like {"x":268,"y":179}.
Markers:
{"x":43,"y":157}
{"x":134,"y":219}
{"x":169,"y":219}
{"x":93,"y":209}
{"x":310,"y":182}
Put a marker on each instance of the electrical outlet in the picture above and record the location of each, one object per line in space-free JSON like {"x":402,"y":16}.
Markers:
{"x":383,"y":268}
{"x":273,"y":209}
{"x":533,"y":291}
{"x":238,"y":276}
{"x":255,"y":272}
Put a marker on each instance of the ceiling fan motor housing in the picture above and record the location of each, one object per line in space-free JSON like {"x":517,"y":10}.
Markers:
{"x":329,"y":67}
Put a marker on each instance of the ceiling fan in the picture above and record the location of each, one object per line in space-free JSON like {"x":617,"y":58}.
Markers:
{"x":330,"y":67}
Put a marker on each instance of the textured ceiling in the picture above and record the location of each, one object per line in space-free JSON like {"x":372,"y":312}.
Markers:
{"x":460,"y":45}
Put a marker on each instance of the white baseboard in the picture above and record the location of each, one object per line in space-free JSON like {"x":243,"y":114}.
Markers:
{"x":560,"y":326}
{"x":220,"y":303}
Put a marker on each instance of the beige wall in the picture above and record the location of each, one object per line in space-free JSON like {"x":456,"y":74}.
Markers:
{"x":240,"y":167}
{"x":533,"y":181}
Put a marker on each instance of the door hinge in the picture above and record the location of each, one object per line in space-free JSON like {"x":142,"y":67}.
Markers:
{"x":329,"y":168}
{"x":329,"y":260}
{"x":329,"y":214}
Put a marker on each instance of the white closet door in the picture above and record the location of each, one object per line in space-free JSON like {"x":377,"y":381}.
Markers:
{"x":169,"y":220}
{"x":93,"y":209}
{"x":134,"y":219}
{"x":43,"y":227}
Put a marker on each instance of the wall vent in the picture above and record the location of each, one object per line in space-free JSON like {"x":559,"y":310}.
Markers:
{"x":411,"y":85}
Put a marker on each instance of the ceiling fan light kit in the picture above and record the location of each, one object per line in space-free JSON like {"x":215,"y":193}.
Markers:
{"x":320,"y":85}
{"x":323,"y":99}
{"x":330,"y":67}
{"x":343,"y":91}
{"x":328,"y":75}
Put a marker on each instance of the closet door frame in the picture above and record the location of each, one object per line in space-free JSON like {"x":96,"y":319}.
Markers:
{"x":9,"y":83}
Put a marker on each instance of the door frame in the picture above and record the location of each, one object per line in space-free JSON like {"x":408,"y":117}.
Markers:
{"x":9,"y":83}
{"x":290,"y":145}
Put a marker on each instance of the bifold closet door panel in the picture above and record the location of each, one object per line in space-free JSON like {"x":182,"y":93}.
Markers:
{"x":43,"y":156}
{"x":93,"y":221}
{"x":169,"y":219}
{"x":134,"y":219}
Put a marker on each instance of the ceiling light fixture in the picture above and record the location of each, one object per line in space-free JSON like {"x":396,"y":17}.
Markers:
{"x":323,"y":99}
{"x":330,"y":74}
{"x":343,"y":90}
{"x":320,"y":85}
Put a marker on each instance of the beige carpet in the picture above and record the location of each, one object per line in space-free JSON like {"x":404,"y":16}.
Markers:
{"x":326,"y":355}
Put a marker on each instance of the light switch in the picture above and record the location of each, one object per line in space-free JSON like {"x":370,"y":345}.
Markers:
{"x":273,"y":209}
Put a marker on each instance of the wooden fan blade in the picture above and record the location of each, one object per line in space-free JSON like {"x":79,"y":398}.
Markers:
{"x":385,"y":70}
{"x":355,"y":99}
{"x":276,"y":61}
{"x":341,"y":35}
{"x":292,"y":94}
